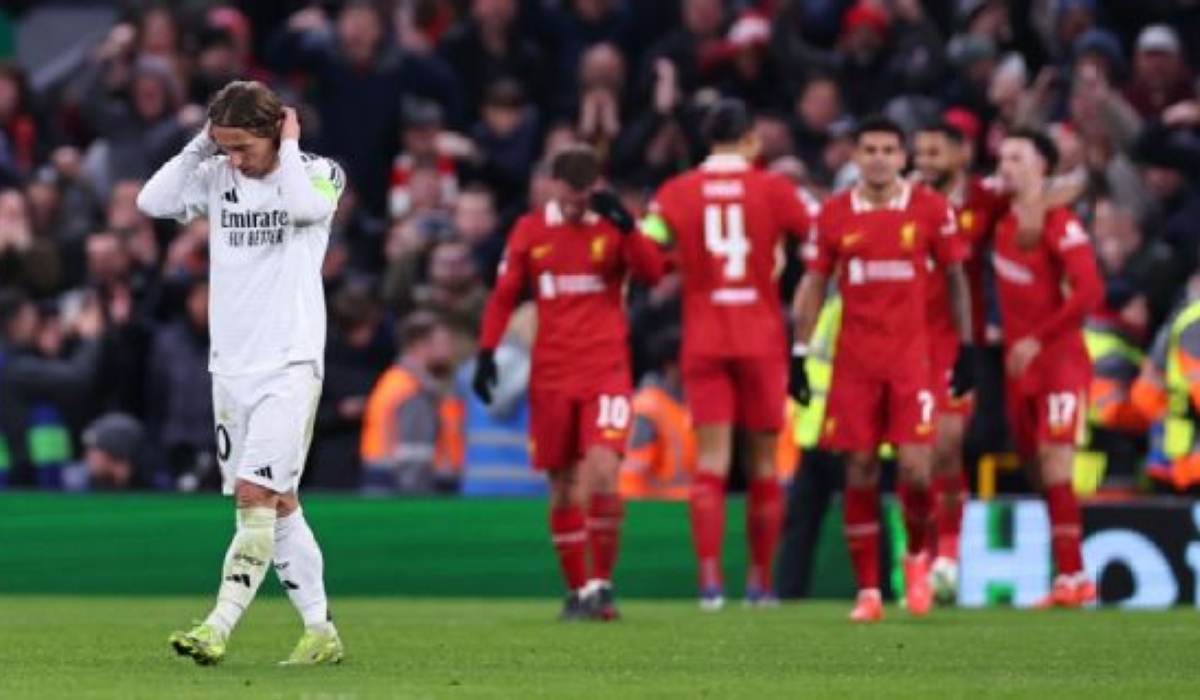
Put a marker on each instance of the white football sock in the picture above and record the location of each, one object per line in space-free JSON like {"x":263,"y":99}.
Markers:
{"x":245,"y":566}
{"x":301,"y":569}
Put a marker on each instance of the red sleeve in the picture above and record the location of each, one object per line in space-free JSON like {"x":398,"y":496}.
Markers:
{"x":644,"y":260}
{"x":510,"y":282}
{"x":820,"y":254}
{"x":664,"y":205}
{"x":948,"y":246}
{"x":993,"y":199}
{"x":793,"y":213}
{"x":1070,"y":243}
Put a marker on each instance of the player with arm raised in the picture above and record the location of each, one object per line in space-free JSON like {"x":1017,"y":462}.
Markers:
{"x":269,"y":207}
{"x":878,"y":238}
{"x":1047,"y":282}
{"x":727,"y":221}
{"x":575,"y":255}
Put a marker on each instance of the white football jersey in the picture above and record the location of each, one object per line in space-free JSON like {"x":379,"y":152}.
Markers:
{"x":267,"y":241}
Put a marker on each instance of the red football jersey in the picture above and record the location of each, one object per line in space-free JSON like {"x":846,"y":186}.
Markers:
{"x":1031,"y":285}
{"x":978,"y":204}
{"x":577,"y":274}
{"x":728,"y":220}
{"x":881,"y":257}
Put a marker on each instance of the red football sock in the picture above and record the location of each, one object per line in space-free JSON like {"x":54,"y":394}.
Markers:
{"x":1066,"y":527}
{"x":764,"y":516}
{"x":708,"y":526}
{"x":950,"y":497}
{"x":918,"y":509}
{"x":861,"y":518}
{"x":604,"y":533}
{"x":568,"y":529}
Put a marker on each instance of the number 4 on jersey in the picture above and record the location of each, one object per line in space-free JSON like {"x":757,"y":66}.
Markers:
{"x":725,"y":237}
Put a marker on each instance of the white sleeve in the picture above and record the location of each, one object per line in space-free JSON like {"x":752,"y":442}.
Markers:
{"x":308,"y":198}
{"x":179,"y":190}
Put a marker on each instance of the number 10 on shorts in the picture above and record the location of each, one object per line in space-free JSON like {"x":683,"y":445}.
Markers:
{"x":614,"y":412}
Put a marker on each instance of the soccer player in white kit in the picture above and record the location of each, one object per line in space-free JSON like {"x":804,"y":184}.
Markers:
{"x":269,"y":207}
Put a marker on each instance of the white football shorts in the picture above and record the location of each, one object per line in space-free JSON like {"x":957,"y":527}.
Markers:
{"x":264,"y":425}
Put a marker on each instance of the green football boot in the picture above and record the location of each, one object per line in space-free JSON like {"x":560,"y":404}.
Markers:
{"x":316,"y":647}
{"x":204,"y":643}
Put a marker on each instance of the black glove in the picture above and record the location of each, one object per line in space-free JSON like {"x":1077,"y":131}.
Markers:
{"x":798,"y":381}
{"x":962,"y":381}
{"x":607,"y":204}
{"x":486,"y":375}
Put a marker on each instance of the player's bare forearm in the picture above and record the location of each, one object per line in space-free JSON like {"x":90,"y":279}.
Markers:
{"x":806,"y":305}
{"x":960,"y":301}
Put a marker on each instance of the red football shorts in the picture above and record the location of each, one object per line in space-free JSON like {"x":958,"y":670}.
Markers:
{"x":746,"y":391}
{"x":1046,"y":408}
{"x":564,"y":425}
{"x":943,"y":354}
{"x":862,"y":414}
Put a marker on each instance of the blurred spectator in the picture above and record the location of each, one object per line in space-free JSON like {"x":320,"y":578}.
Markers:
{"x":358,"y":351}
{"x":424,"y":145}
{"x":695,"y":48}
{"x":1169,"y":160}
{"x":111,"y":277}
{"x":817,"y":106}
{"x":18,"y":130}
{"x":751,"y":72}
{"x":863,"y":57}
{"x":116,"y":454}
{"x":30,"y":384}
{"x":489,"y":47}
{"x":179,"y":406}
{"x":507,"y":139}
{"x":662,"y":454}
{"x":655,"y":144}
{"x":599,"y":112}
{"x":139,"y":123}
{"x":1161,"y":76}
{"x":360,"y":78}
{"x":27,"y":260}
{"x":411,"y":423}
{"x":476,"y":223}
{"x":497,"y":434}
{"x":225,"y":53}
{"x":454,"y":291}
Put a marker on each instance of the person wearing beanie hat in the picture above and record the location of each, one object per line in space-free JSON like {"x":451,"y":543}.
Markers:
{"x":115,"y":445}
{"x":1161,"y":76}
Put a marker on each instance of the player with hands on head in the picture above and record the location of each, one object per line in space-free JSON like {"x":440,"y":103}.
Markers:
{"x":269,"y":208}
{"x":575,"y":255}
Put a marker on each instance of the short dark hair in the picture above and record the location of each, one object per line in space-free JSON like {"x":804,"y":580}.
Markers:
{"x":878,"y":124}
{"x":1043,"y":144}
{"x":577,"y":165}
{"x":945,"y":128}
{"x":416,"y":327}
{"x":727,"y":121}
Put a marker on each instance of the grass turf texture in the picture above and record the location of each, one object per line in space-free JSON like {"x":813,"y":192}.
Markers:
{"x":405,"y":649}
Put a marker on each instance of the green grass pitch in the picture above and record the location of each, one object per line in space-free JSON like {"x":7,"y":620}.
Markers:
{"x":403,"y":649}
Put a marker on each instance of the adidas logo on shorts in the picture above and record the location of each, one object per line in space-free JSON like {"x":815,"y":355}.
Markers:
{"x":265,"y":472}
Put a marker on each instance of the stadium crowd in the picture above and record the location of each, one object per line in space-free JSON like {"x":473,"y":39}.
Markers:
{"x":443,"y":114}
